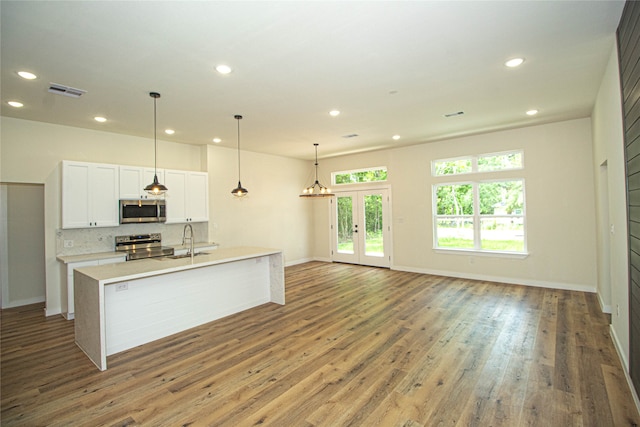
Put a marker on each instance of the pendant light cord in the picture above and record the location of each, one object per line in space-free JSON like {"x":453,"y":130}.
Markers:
{"x":316,"y":145}
{"x":238,"y":118}
{"x":155,"y":138}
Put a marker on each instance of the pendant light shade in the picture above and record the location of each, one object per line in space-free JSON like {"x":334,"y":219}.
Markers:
{"x":155,"y":188}
{"x":316,"y":189}
{"x":239,"y":191}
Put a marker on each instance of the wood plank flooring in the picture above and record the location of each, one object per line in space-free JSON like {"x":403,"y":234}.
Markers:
{"x":353,"y":346}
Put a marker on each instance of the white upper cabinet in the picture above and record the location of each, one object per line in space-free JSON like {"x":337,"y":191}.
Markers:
{"x":133,"y":179}
{"x":90,"y":193}
{"x":198,"y":196}
{"x":187,"y":196}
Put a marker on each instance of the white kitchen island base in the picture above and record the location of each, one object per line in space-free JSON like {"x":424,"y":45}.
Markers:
{"x":118,"y":308}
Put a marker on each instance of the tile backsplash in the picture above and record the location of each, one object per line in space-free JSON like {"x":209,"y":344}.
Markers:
{"x":91,"y":240}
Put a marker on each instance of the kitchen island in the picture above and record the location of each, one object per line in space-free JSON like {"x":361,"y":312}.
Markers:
{"x":120,"y":306}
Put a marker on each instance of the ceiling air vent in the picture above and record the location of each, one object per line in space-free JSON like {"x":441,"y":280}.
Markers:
{"x":66,"y":90}
{"x":457,"y":113}
{"x":351,"y":135}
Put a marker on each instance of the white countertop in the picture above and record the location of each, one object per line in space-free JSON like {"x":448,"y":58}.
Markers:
{"x":67,"y":259}
{"x":131,"y":270}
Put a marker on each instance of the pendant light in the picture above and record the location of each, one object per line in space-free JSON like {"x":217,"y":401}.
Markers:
{"x":155,"y":188}
{"x":317,"y":189}
{"x":239,"y":191}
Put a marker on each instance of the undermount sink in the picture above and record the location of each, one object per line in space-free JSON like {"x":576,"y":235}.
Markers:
{"x":183,"y":256}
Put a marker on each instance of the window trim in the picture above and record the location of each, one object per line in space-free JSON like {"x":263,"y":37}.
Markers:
{"x":351,"y":171}
{"x":474,"y":163}
{"x":476,"y":218}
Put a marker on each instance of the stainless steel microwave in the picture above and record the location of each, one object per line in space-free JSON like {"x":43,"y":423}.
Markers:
{"x":136,"y":211}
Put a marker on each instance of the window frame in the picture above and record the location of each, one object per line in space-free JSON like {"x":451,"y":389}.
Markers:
{"x":474,"y":163}
{"x":476,"y":218}
{"x":352,"y":171}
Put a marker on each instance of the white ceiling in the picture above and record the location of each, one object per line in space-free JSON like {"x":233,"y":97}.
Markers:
{"x":390,"y":67}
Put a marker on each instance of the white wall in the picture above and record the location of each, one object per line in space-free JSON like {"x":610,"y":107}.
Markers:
{"x":272,"y":216}
{"x":608,"y":147}
{"x":559,"y":206}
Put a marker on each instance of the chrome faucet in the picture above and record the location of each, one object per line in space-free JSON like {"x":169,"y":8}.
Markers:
{"x":184,"y":238}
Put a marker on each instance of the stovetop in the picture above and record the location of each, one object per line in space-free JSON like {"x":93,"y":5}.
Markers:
{"x":140,"y":246}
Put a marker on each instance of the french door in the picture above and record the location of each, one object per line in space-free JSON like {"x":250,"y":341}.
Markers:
{"x":360,"y":228}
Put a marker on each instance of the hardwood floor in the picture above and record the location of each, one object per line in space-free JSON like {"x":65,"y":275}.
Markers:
{"x":352,"y":346}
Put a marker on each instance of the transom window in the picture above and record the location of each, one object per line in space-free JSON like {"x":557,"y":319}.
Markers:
{"x":358,"y":176}
{"x":485,"y":215}
{"x":483,"y":163}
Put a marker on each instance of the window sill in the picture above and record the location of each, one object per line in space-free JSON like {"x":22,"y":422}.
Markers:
{"x":494,"y":254}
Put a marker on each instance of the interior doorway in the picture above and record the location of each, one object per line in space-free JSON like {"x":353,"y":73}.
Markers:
{"x":360,"y":227}
{"x":22,"y":258}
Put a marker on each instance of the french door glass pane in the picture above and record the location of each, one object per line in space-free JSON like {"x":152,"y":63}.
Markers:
{"x":345,"y":224}
{"x":373,"y":243}
{"x":502,"y":234}
{"x":455,"y":232}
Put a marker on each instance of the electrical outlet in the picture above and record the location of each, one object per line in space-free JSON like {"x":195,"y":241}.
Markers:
{"x":618,"y":310}
{"x":68,"y":243}
{"x":122,"y":287}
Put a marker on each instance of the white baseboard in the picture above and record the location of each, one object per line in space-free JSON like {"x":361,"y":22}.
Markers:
{"x":52,"y":311}
{"x":625,"y":365}
{"x":499,"y":279}
{"x":20,"y":303}
{"x":303,"y":260}
{"x":297,"y":261}
{"x":604,"y":307}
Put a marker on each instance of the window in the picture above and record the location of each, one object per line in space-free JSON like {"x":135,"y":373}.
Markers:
{"x":482,"y":215}
{"x":359,"y":176}
{"x":482,"y":163}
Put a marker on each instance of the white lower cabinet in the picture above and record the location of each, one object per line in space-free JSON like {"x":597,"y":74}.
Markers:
{"x":72,"y":266}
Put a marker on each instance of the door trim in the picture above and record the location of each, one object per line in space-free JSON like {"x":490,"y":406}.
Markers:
{"x":389,"y":221}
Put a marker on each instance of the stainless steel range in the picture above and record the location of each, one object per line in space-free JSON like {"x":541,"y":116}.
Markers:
{"x":139,"y":246}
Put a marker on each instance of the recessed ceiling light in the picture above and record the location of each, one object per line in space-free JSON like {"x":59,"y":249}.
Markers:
{"x":223,"y":69}
{"x":217,"y":140}
{"x":100,"y":119}
{"x":532,"y":112}
{"x":27,"y":75}
{"x":16,"y":104}
{"x":334,"y":113}
{"x":169,"y":131}
{"x":396,"y":137}
{"x":515,"y":62}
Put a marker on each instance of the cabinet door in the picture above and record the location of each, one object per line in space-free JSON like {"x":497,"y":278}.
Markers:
{"x":75,"y":195}
{"x":134,"y":179}
{"x":197,"y":197}
{"x":70,"y":298}
{"x":131,"y":182}
{"x":176,"y":183}
{"x":103,"y":194}
{"x":72,"y":266}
